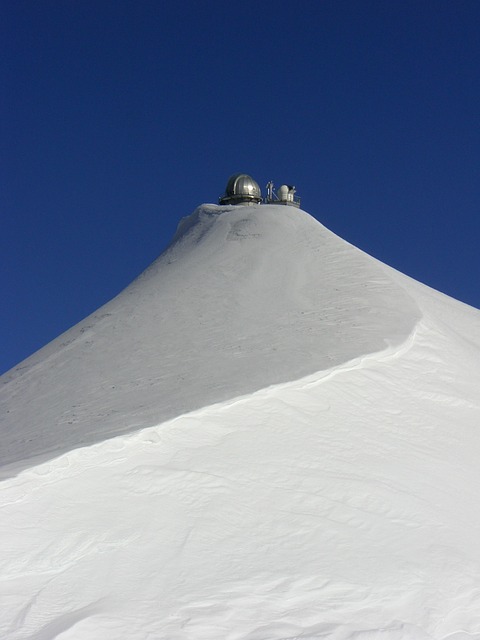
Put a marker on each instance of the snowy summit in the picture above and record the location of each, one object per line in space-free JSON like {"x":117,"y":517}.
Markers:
{"x":269,"y":435}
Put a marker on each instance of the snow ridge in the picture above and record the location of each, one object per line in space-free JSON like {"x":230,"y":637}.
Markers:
{"x":245,"y":297}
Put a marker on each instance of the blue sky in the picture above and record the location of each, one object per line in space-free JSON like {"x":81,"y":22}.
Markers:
{"x":121,"y":116}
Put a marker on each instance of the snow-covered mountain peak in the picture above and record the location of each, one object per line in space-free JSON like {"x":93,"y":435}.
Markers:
{"x":244,"y":297}
{"x":267,"y":435}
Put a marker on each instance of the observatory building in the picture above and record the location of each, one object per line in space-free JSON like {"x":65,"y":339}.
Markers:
{"x":243,"y":189}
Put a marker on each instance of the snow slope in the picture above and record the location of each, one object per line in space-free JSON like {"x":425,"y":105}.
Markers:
{"x":284,"y":442}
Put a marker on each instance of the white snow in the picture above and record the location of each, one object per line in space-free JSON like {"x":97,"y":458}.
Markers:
{"x":283,"y":442}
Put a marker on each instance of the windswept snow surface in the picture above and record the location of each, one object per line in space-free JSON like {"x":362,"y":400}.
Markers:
{"x":309,"y":467}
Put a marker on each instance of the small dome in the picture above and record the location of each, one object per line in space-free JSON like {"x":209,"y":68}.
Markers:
{"x":241,"y":189}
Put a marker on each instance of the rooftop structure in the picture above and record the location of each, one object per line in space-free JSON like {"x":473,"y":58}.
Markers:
{"x":243,"y":189}
{"x":284,"y":195}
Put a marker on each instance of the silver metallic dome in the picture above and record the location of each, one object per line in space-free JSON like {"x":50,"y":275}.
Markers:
{"x":241,"y":189}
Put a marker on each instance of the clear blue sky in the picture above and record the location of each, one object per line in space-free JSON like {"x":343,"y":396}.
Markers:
{"x":121,"y":116}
